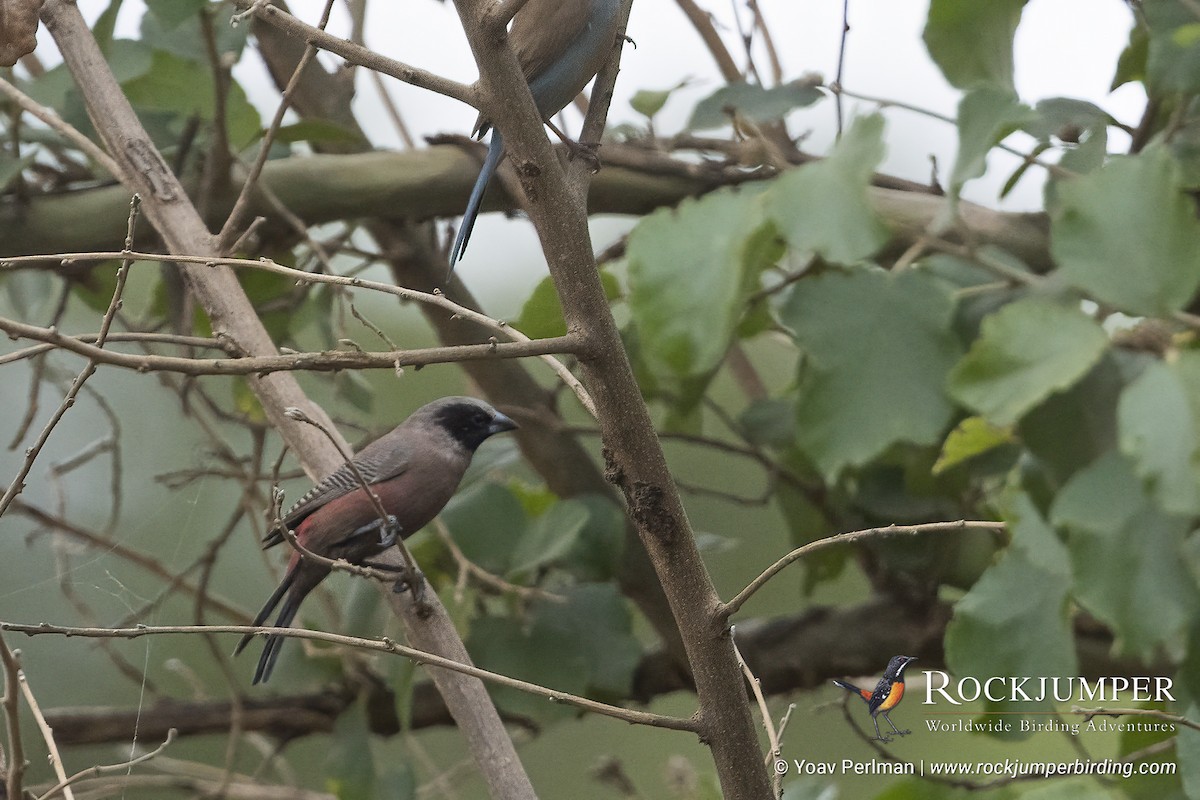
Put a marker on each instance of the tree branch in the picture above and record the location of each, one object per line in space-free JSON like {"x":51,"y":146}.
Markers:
{"x":636,"y":463}
{"x":230,"y":311}
{"x":378,"y":645}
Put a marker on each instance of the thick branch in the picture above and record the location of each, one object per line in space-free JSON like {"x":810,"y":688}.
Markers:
{"x":217,"y":289}
{"x":637,"y":464}
{"x":435,"y":181}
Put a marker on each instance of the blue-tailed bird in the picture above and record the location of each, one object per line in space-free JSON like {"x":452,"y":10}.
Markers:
{"x":560,"y":45}
{"x":886,"y":696}
{"x":414,"y":470}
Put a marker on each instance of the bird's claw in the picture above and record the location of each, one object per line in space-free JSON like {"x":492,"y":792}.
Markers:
{"x":413,"y":580}
{"x":389,"y":531}
{"x":903,"y":732}
{"x":585,"y":151}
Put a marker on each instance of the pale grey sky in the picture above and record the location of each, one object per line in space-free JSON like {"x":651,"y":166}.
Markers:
{"x":1063,"y":48}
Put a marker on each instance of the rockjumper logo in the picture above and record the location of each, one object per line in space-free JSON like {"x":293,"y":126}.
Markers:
{"x":887,"y":695}
{"x":1029,"y":689}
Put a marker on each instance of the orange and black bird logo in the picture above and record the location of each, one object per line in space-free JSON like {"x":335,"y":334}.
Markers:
{"x":887,"y":695}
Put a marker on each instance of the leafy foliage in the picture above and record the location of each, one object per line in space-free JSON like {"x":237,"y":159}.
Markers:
{"x":877,"y":370}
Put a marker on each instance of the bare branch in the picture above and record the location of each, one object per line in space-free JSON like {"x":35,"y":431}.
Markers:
{"x":731,"y":608}
{"x":378,"y":645}
{"x":106,"y":769}
{"x":357,"y":54}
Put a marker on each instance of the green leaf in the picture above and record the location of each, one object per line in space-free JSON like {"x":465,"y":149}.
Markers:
{"x":1187,"y":753}
{"x":581,"y":646}
{"x":1158,"y":431}
{"x":1025,"y":352}
{"x":806,"y":523}
{"x":551,"y":536}
{"x":770,"y":422}
{"x":349,"y":765}
{"x":972,"y":43}
{"x":1087,"y":156}
{"x":1173,"y":54}
{"x":1066,"y":118}
{"x":822,"y":207}
{"x":96,"y":288}
{"x":986,"y":116}
{"x":752,"y":102}
{"x":973,"y":436}
{"x":867,"y":385}
{"x":246,"y":401}
{"x":1127,"y":557}
{"x":1127,"y":234}
{"x":171,"y":13}
{"x":690,"y":270}
{"x":180,"y":33}
{"x":542,"y":317}
{"x":649,"y":102}
{"x":1131,"y":65}
{"x":314,"y":130}
{"x":11,"y":168}
{"x":170,"y":86}
{"x":102,"y":30}
{"x":485,"y":520}
{"x":1015,"y":620}
{"x":596,"y":554}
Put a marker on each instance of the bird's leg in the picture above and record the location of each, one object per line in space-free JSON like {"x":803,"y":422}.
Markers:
{"x":389,"y":530}
{"x":879,"y":736}
{"x":404,"y":579}
{"x":586,"y":151}
{"x":894,"y":728}
{"x":414,"y":581}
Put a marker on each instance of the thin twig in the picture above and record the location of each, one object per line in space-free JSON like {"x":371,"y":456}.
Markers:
{"x":436,"y":299}
{"x":357,"y":54}
{"x":54,"y":756}
{"x":229,"y":231}
{"x":327,"y":361}
{"x":467,"y":567}
{"x":841,"y":64}
{"x":18,"y":483}
{"x":767,"y":723}
{"x":737,"y":602}
{"x":12,"y":721}
{"x":383,"y":645}
{"x":61,"y":127}
{"x":107,"y":769}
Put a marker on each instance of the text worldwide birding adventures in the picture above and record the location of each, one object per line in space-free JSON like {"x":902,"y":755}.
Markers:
{"x":886,"y":695}
{"x":414,"y":471}
{"x":560,"y":45}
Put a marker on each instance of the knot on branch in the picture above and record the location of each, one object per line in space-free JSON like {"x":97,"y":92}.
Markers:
{"x":650,"y":513}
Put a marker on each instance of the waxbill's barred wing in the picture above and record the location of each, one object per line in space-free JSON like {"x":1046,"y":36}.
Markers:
{"x":414,"y":470}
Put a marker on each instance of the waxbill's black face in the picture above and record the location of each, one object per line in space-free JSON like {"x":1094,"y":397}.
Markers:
{"x":413,"y":470}
{"x":467,"y":421}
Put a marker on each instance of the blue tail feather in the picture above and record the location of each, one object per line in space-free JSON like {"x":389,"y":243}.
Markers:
{"x":494,"y":154}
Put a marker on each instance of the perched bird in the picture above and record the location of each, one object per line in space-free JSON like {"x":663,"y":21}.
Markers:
{"x":560,"y":45}
{"x":414,"y":470}
{"x":887,"y":695}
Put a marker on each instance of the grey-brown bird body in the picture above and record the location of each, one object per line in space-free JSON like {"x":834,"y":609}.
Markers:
{"x":414,"y":471}
{"x":560,"y":45}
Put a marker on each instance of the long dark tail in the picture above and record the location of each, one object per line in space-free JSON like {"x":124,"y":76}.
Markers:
{"x":287,"y":613}
{"x":850,"y":687}
{"x":495,"y":151}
